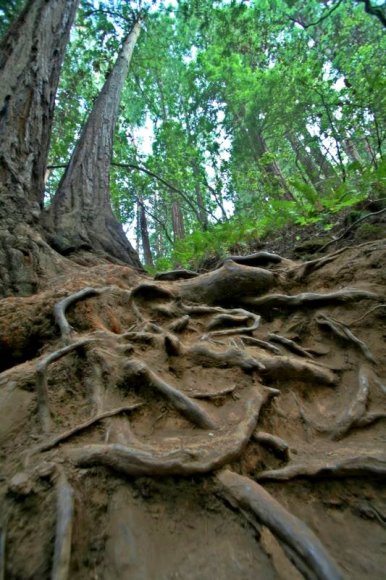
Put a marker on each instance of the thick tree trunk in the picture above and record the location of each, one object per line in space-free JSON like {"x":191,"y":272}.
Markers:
{"x":31,"y":56}
{"x":81,"y":217}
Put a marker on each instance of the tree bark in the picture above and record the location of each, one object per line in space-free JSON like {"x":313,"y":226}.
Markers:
{"x":81,"y":217}
{"x":177,"y":221}
{"x":144,"y":234}
{"x":31,"y":56}
{"x":272,"y":169}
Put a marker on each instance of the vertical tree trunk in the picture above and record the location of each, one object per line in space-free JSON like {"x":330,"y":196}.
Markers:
{"x":312,"y":171}
{"x":199,"y":196}
{"x":272,"y":169}
{"x":144,"y":235}
{"x":81,"y":217}
{"x":177,"y":221}
{"x":31,"y":56}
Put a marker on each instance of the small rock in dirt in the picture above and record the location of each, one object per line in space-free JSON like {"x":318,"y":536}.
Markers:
{"x":45,"y":469}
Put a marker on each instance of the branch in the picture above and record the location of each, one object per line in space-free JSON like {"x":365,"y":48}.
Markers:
{"x":323,"y":17}
{"x":376,"y":11}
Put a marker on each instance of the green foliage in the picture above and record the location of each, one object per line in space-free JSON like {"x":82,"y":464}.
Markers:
{"x":253,"y":115}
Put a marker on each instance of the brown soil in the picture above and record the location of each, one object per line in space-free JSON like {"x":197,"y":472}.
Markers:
{"x":143,"y":493}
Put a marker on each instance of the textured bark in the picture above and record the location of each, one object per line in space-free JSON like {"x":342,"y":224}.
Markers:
{"x":272,"y":169}
{"x":81,"y":216}
{"x":31,"y":55}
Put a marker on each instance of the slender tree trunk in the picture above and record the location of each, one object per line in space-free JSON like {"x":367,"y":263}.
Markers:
{"x":352,"y":151}
{"x":272,"y":169}
{"x":144,"y":235}
{"x":31,"y":56}
{"x":177,"y":221}
{"x":81,"y":217}
{"x":311,"y":169}
{"x":199,"y":196}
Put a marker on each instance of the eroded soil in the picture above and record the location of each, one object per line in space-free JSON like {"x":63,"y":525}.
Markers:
{"x":108,"y":473}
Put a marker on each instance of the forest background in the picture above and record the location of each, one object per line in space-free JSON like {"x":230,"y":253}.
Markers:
{"x":237,"y":118}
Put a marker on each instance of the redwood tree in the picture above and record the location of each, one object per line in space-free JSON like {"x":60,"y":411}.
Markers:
{"x":31,"y":56}
{"x":80,"y":216}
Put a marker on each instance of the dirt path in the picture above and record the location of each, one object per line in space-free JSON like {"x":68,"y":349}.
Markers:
{"x":230,"y":425}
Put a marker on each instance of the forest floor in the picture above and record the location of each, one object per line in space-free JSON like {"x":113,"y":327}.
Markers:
{"x":227,"y":426}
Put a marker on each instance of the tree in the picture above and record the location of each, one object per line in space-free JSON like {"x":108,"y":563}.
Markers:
{"x":29,"y":78}
{"x":134,"y":411}
{"x":80,"y":216}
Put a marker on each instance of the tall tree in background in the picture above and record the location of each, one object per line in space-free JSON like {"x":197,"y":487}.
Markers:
{"x":80,"y":216}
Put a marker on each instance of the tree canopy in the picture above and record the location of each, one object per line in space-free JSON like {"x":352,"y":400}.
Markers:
{"x":236,"y":118}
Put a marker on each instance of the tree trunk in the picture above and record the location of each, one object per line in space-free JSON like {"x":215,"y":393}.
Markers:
{"x":31,"y":56}
{"x":177,"y":221}
{"x":272,"y":169}
{"x":144,"y":235}
{"x":311,"y":169}
{"x":81,"y":217}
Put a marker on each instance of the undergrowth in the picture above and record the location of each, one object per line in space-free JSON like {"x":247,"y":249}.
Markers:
{"x":254,"y":223}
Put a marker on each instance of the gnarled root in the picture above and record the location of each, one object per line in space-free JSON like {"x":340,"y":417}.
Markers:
{"x":41,"y":380}
{"x":137,"y":369}
{"x":257,"y":259}
{"x":290,"y":344}
{"x":288,"y":528}
{"x":356,"y":463}
{"x":276,"y":444}
{"x":61,"y":307}
{"x":229,"y":284}
{"x":289,"y":368}
{"x":310,"y":299}
{"x":262,"y":343}
{"x":356,"y":410}
{"x":65,"y":515}
{"x":200,"y":354}
{"x":202,"y":455}
{"x":78,"y":428}
{"x":344,"y":332}
{"x":236,"y":315}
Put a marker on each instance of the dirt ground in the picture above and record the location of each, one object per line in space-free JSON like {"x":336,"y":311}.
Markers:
{"x":106,"y":473}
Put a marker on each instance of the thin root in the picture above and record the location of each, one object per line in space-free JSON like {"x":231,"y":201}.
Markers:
{"x":344,"y":332}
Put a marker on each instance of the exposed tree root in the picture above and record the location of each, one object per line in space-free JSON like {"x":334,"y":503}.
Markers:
{"x":200,"y":354}
{"x":262,"y":343}
{"x":78,"y":428}
{"x":203,"y":456}
{"x":288,"y":528}
{"x":344,"y":332}
{"x":180,"y":324}
{"x":61,"y":307}
{"x":276,"y":444}
{"x":64,"y":522}
{"x":41,"y":380}
{"x":356,"y":409}
{"x":229,"y":284}
{"x":345,"y":463}
{"x":215,"y":394}
{"x":237,"y":316}
{"x":286,"y":367}
{"x":370,"y":311}
{"x":290,"y":344}
{"x":257,"y":259}
{"x":176,"y":275}
{"x":310,"y":299}
{"x":136,"y":369}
